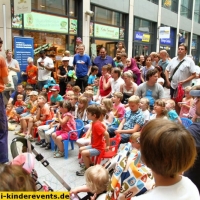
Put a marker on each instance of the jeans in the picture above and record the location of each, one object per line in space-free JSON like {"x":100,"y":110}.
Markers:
{"x":42,"y":83}
{"x":19,"y":110}
{"x":15,"y":81}
{"x":125,"y":138}
{"x":111,"y":130}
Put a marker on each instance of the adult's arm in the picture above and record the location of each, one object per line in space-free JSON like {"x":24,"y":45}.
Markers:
{"x":138,"y":91}
{"x":129,"y":131}
{"x":16,"y":68}
{"x":4,"y":71}
{"x":89,"y":65}
{"x":161,"y":91}
{"x":189,"y":78}
{"x":12,"y":96}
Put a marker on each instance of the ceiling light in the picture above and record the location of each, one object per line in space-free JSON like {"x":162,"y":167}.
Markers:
{"x":71,"y":12}
{"x":42,"y":6}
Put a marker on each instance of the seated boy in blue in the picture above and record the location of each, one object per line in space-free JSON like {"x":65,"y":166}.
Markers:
{"x":132,"y":122}
{"x":56,"y":97}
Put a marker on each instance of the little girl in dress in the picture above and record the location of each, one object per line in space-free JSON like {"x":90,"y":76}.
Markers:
{"x":186,"y":103}
{"x":67,"y":123}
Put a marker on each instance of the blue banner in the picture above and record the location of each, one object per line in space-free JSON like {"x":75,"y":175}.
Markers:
{"x":169,"y":41}
{"x":23,"y":48}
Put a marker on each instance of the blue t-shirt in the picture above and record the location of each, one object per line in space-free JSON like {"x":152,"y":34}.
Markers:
{"x":172,"y":115}
{"x":56,"y":99}
{"x":92,"y":103}
{"x":91,"y":79}
{"x":82,"y":64}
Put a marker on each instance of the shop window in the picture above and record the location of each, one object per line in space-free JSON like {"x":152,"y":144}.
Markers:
{"x":171,"y":5}
{"x":107,"y":16}
{"x":72,"y":8}
{"x":186,"y":8}
{"x":197,"y":11}
{"x":153,"y":1}
{"x":143,"y":25}
{"x":52,"y":6}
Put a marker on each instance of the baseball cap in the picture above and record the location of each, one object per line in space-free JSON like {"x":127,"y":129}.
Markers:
{"x":33,"y":93}
{"x":55,"y":87}
{"x":78,"y":39}
{"x":65,"y":58}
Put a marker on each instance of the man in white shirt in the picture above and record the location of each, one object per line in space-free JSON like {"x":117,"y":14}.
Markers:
{"x":185,"y":72}
{"x":116,"y":80}
{"x":45,"y":67}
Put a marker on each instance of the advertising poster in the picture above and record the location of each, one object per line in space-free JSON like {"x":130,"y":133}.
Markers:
{"x":164,"y":32}
{"x":73,"y":26}
{"x":43,"y":22}
{"x":23,"y":48}
{"x":140,"y":36}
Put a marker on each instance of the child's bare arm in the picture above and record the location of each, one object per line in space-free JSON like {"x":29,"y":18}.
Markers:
{"x":179,"y":120}
{"x":107,"y":138}
{"x":78,"y":189}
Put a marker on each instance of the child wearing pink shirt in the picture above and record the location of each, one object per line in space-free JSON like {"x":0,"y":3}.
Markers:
{"x":67,"y":123}
{"x":118,"y":107}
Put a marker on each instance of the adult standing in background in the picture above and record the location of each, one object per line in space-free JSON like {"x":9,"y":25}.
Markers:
{"x":3,"y":117}
{"x":45,"y":67}
{"x":71,"y":59}
{"x":163,"y":62}
{"x":182,"y":70}
{"x":102,"y":60}
{"x":13,"y":67}
{"x":132,"y":65}
{"x":62,"y":74}
{"x":82,"y":66}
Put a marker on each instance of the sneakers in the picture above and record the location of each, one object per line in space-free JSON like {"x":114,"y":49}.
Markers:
{"x":40,"y":142}
{"x":59,"y":154}
{"x":81,"y":172}
{"x":18,"y":132}
{"x":48,"y":146}
{"x":43,"y":145}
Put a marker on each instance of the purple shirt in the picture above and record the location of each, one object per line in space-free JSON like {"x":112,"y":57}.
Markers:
{"x":100,"y":62}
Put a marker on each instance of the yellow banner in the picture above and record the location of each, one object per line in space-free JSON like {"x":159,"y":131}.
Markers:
{"x":34,"y":195}
{"x":145,"y":38}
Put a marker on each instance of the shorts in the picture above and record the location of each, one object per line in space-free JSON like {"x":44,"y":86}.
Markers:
{"x":63,"y":134}
{"x":93,"y":151}
{"x":26,"y":114}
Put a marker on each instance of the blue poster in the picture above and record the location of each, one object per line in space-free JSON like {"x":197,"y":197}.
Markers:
{"x":23,"y":48}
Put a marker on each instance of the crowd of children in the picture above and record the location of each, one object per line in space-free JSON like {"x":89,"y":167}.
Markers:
{"x":105,"y":114}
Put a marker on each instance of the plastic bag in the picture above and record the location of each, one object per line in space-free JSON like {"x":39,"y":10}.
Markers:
{"x":178,"y":94}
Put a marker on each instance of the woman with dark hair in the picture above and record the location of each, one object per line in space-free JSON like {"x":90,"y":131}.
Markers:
{"x":148,"y":66}
{"x":161,"y":75}
{"x":131,"y":65}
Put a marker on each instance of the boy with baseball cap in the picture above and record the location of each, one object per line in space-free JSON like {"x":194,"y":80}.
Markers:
{"x":56,"y":97}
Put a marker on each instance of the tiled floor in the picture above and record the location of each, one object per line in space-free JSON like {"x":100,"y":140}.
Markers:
{"x":66,"y":168}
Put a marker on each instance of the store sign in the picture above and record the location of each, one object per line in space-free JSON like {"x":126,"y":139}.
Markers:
{"x":73,"y":26}
{"x":44,"y":22}
{"x":121,"y":34}
{"x":22,"y":6}
{"x":164,"y":32}
{"x":103,"y":31}
{"x":17,"y":21}
{"x":142,"y":36}
{"x":166,"y":42}
{"x":23,"y":49}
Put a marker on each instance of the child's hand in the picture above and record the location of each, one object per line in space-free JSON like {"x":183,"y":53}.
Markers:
{"x":73,"y":191}
{"x":117,"y":132}
{"x":107,"y":148}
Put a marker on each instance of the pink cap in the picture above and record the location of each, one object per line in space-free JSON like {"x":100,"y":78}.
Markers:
{"x":78,"y":39}
{"x":55,"y":87}
{"x":27,"y":161}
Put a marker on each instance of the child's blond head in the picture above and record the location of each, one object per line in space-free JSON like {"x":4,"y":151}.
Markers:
{"x":108,"y":104}
{"x":118,"y":95}
{"x":97,"y":179}
{"x":134,"y":99}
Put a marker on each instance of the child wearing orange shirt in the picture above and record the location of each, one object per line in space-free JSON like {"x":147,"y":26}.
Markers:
{"x":11,"y":113}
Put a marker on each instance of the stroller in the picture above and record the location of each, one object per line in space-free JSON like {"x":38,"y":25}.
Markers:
{"x":26,"y":158}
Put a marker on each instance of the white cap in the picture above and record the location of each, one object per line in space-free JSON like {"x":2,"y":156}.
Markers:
{"x":65,"y":58}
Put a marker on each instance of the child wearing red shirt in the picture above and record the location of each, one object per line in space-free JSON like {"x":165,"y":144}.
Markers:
{"x":98,"y":138}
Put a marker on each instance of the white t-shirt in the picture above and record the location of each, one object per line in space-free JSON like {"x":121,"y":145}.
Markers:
{"x":146,"y":114}
{"x":12,"y":64}
{"x":44,"y":74}
{"x":160,"y":80}
{"x":115,"y":85}
{"x":183,"y":190}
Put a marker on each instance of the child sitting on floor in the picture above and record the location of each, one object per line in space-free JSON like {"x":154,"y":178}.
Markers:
{"x":97,"y":179}
{"x":67,"y":123}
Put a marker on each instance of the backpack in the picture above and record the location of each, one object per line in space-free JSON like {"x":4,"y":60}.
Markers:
{"x":130,"y":177}
{"x":178,"y":94}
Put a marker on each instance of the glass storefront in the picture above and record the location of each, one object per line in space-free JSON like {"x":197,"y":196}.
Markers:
{"x":195,"y":49}
{"x":168,"y":44}
{"x":143,"y":37}
{"x":186,"y":8}
{"x":106,"y":29}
